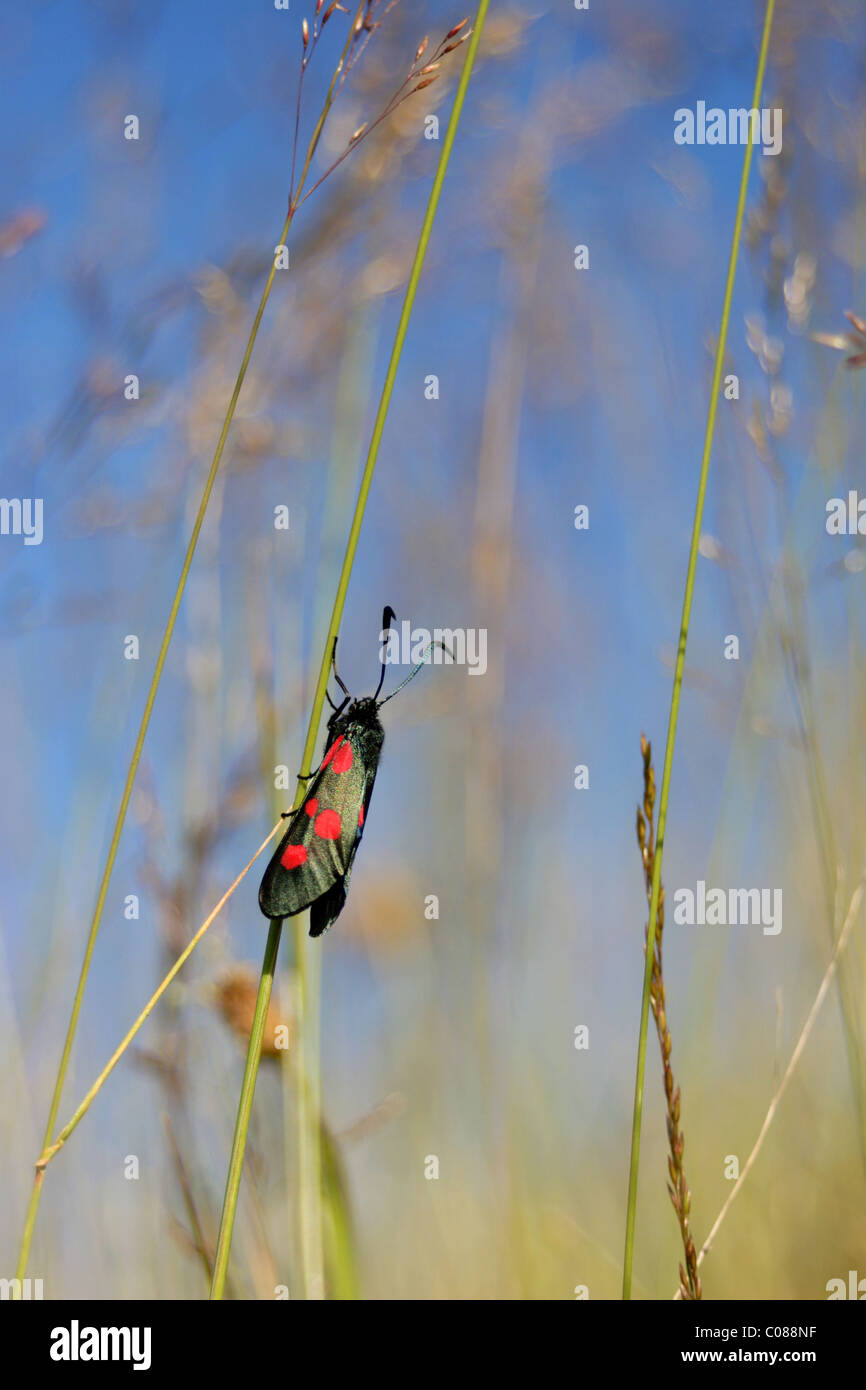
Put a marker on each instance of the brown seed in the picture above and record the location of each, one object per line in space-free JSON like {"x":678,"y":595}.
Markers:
{"x":456,"y":29}
{"x":457,"y":42}
{"x":857,"y":322}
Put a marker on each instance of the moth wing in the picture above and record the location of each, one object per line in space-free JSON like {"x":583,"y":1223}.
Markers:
{"x":285,"y":891}
{"x":320,"y":842}
{"x":326,"y":909}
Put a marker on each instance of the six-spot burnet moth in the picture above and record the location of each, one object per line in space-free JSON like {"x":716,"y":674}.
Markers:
{"x":313,"y":863}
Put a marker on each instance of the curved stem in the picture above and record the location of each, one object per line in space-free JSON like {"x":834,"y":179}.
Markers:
{"x":306,"y":1092}
{"x":835,"y":962}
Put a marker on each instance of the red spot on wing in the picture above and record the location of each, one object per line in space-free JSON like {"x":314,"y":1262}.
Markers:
{"x":343,"y":758}
{"x":361,"y":816}
{"x":293,"y":856}
{"x":312,"y":806}
{"x":332,"y":750}
{"x":328,"y":825}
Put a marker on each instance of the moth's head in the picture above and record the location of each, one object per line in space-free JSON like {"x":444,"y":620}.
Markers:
{"x":364,"y":711}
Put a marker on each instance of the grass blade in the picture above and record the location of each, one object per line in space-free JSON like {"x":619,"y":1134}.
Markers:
{"x":718,"y":364}
{"x":33,"y":1206}
{"x":312,"y":1178}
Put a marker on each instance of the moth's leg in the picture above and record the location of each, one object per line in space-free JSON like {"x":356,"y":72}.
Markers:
{"x":303,"y":781}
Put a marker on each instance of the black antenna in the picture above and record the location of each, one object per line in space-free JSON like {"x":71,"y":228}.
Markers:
{"x":338,"y":709}
{"x":334,"y":668}
{"x":388,"y":617}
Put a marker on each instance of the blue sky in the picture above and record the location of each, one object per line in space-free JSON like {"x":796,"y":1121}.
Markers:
{"x":614,"y":420}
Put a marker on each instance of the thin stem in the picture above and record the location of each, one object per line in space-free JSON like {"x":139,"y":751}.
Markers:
{"x":239,"y":1141}
{"x":50,"y":1150}
{"x":323,"y":116}
{"x":678,"y":1188}
{"x":816,"y":781}
{"x":242,"y":1124}
{"x":198,"y":1239}
{"x":308,"y":1059}
{"x":679,"y":667}
{"x":33,"y":1205}
{"x":297,"y":132}
{"x":841,"y":943}
{"x":396,"y":100}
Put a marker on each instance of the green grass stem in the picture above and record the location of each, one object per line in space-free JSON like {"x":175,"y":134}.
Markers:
{"x":309,"y":1135}
{"x":120,"y":819}
{"x":715,"y":389}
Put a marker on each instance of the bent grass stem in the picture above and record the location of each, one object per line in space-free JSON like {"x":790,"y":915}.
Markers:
{"x":310,"y":1147}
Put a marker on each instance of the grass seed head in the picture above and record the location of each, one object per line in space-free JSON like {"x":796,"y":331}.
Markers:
{"x":457,"y":42}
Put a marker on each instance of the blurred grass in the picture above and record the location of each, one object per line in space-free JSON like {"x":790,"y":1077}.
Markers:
{"x":529,"y":1200}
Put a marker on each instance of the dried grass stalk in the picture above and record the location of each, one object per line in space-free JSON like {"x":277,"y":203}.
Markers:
{"x":690,"y":1283}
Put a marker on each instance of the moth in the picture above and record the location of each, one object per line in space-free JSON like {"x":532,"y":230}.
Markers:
{"x":312,"y":865}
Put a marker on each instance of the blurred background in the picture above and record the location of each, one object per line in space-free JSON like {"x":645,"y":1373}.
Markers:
{"x":452,"y":1037}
